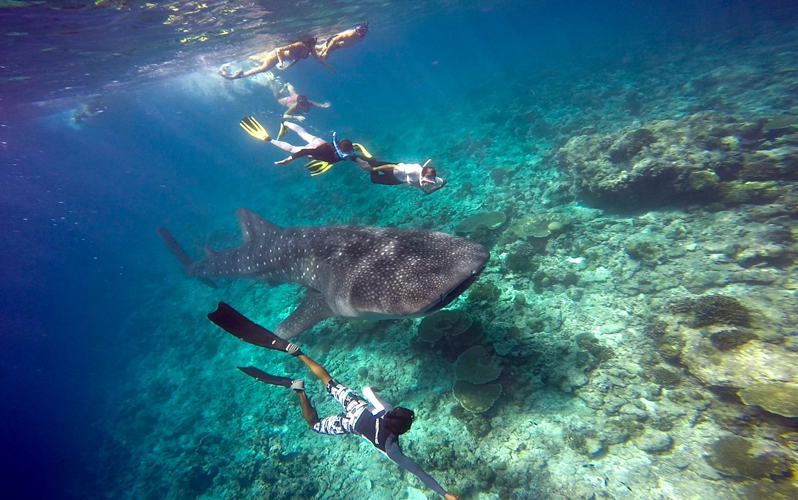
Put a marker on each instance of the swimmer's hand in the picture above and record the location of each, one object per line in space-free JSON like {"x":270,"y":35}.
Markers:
{"x":224,"y":71}
{"x":449,"y":496}
{"x":283,"y":162}
{"x":325,"y":104}
{"x":298,"y":118}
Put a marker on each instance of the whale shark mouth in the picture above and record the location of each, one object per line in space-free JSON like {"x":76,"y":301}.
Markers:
{"x":447,"y":298}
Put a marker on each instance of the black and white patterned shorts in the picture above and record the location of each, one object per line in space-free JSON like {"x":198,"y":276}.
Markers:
{"x":343,"y":423}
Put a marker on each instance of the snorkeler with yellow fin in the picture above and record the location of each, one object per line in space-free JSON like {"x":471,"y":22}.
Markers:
{"x":323,"y":154}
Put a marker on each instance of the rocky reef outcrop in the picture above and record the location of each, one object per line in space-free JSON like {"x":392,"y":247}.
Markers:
{"x":700,"y":158}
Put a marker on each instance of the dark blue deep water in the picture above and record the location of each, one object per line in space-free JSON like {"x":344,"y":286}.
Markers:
{"x":113,"y":384}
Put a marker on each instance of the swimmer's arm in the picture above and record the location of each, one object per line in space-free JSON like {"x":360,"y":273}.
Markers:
{"x":289,"y":113}
{"x":320,"y":105}
{"x":259,"y":69}
{"x":434,"y":187}
{"x":299,"y":154}
{"x":292,"y":63}
{"x":323,"y":61}
{"x":396,"y":455}
{"x":386,"y":166}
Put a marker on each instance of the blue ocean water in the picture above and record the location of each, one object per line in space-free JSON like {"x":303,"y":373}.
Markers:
{"x":115,"y":386}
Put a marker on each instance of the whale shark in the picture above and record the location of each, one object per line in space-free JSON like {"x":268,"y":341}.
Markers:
{"x":348,"y":271}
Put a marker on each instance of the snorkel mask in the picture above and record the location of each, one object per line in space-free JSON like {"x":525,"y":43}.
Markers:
{"x":362,"y":29}
{"x":341,"y":154}
{"x":424,"y":181}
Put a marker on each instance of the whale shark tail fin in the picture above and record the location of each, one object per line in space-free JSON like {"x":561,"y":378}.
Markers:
{"x":174,"y":247}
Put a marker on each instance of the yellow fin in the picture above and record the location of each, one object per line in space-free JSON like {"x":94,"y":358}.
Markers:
{"x":362,"y":149}
{"x":253,"y":128}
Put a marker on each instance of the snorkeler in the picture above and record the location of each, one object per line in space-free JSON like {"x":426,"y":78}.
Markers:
{"x":374,"y":420}
{"x":339,"y":41}
{"x":84,"y":111}
{"x":423,"y":177}
{"x":273,"y":58}
{"x":297,"y":104}
{"x":323,"y":154}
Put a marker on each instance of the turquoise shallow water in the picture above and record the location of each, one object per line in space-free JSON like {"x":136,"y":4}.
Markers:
{"x":631,"y":171}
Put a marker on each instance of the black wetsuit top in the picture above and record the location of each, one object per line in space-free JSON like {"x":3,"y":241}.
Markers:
{"x":325,"y":152}
{"x":369,"y":427}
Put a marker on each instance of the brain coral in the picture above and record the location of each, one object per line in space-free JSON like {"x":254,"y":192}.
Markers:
{"x":476,"y":398}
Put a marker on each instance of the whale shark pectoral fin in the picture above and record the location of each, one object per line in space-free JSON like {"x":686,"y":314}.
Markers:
{"x":313,"y":309}
{"x":253,"y":226}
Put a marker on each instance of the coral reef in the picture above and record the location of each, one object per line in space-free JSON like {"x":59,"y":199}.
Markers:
{"x":476,"y":398}
{"x":600,"y":354}
{"x":778,"y":398}
{"x":690,"y":159}
{"x":732,"y":456}
{"x":449,"y":322}
{"x":476,"y":366}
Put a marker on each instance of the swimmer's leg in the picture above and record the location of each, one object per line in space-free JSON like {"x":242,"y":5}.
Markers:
{"x":309,"y":138}
{"x":384,"y":177}
{"x":289,"y":148}
{"x":316,"y":368}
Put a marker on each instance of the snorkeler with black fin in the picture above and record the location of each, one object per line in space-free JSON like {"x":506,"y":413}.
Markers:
{"x":371,"y":418}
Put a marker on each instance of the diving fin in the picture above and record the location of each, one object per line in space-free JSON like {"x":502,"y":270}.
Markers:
{"x":318,"y":167}
{"x":282,"y":131}
{"x":266,"y":378}
{"x":174,"y":247}
{"x":253,"y":128}
{"x":363,"y":150}
{"x":238,"y":325}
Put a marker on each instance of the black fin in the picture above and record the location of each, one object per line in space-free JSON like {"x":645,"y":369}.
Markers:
{"x":238,"y":325}
{"x":184,"y":259}
{"x":266,"y":378}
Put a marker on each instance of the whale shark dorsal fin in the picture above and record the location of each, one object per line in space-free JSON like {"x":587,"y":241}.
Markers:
{"x":253,"y":226}
{"x":310,"y":311}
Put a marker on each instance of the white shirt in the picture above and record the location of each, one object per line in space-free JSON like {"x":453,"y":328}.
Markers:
{"x":409,"y":173}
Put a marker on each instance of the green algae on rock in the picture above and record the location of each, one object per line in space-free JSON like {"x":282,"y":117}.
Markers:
{"x":476,"y":398}
{"x":719,"y":309}
{"x":713,"y":310}
{"x":724,"y":340}
{"x":731,"y":456}
{"x":484,"y":220}
{"x":773,"y":397}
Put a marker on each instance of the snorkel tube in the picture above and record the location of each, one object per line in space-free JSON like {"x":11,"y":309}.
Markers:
{"x":341,"y":154}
